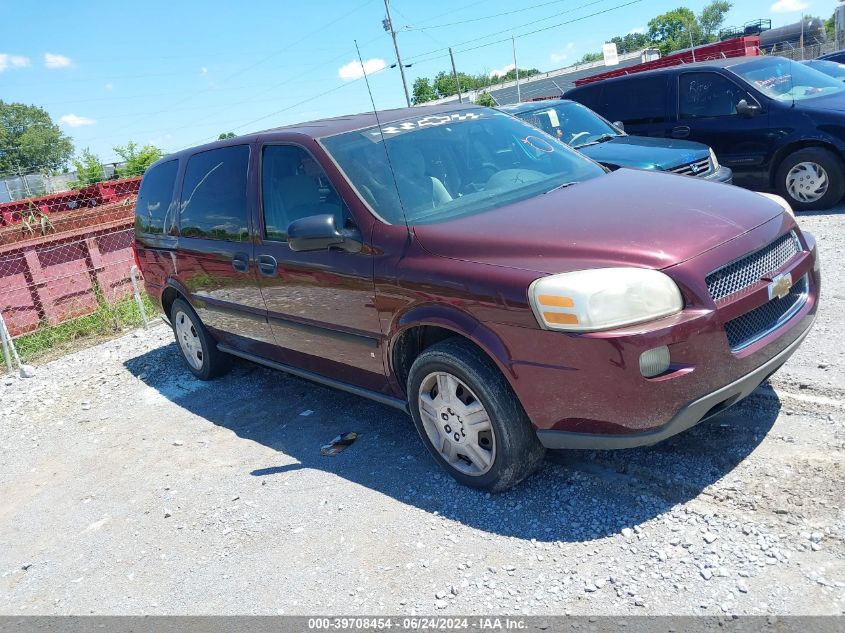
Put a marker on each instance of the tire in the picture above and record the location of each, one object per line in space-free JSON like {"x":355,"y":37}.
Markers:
{"x":199,"y":350}
{"x":484,"y":437}
{"x":823,"y":183}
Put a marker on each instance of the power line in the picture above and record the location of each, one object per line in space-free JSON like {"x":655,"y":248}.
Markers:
{"x":485,"y":17}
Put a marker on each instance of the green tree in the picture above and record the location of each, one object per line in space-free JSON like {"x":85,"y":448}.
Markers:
{"x":423,"y":91}
{"x":712,"y":18}
{"x":671,"y":30}
{"x":631,"y":43}
{"x":589,"y":58}
{"x":137,"y":159}
{"x":681,"y":28}
{"x":830,"y":28}
{"x":226,"y":135}
{"x":484,"y":99}
{"x":29,"y":140}
{"x":89,"y":170}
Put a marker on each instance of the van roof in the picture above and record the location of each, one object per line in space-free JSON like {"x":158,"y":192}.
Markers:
{"x":713,"y":63}
{"x":321,"y":128}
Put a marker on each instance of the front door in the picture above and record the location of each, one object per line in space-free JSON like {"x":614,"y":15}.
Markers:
{"x":215,"y":253}
{"x":707,"y":113}
{"x":320,"y":304}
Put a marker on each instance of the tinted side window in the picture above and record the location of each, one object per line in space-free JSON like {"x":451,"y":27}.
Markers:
{"x":708,"y":95}
{"x":294,"y":186}
{"x":588,"y":96}
{"x":640,"y":100}
{"x":214,"y":195}
{"x":154,"y":199}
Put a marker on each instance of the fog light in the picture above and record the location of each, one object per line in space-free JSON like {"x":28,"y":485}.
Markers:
{"x":654,"y":362}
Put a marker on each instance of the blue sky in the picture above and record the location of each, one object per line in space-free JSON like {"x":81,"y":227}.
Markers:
{"x":177,"y":74}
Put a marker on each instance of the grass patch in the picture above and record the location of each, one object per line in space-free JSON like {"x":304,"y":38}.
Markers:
{"x":49,"y":342}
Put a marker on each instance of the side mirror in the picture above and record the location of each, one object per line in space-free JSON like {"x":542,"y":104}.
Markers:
{"x":620,"y":125}
{"x":319,"y":233}
{"x":743,"y":108}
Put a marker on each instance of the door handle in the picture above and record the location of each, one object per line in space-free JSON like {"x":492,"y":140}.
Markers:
{"x":682,"y":131}
{"x":267,"y":265}
{"x":240,"y":262}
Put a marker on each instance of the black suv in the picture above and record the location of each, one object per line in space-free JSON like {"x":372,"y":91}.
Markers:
{"x":776,"y":123}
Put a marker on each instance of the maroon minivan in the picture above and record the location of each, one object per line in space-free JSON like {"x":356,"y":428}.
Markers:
{"x":460,"y":265}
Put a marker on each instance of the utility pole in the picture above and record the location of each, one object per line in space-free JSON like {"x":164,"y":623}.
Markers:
{"x":388,"y":26}
{"x":455,"y":77}
{"x":516,"y":67}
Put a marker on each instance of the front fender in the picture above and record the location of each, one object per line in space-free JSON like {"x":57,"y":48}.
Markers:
{"x":461,"y":323}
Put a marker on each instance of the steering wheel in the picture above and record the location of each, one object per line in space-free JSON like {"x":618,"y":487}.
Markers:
{"x":575,"y":137}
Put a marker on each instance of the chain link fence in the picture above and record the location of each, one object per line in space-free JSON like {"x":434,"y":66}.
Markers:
{"x":67,"y":269}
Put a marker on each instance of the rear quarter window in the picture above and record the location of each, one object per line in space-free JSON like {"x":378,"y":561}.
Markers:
{"x":153,"y":210}
{"x":214,"y":195}
{"x":636,"y":101}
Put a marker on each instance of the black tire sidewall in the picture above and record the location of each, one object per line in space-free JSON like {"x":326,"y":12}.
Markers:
{"x":829,"y":162}
{"x":518,"y":452}
{"x":205,"y":373}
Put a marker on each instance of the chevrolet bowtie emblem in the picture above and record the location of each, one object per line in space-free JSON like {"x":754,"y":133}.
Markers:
{"x":780,"y":286}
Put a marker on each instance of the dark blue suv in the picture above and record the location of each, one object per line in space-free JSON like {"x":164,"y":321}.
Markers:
{"x":776,"y":123}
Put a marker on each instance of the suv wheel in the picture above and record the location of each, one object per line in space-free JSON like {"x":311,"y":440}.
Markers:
{"x":198,"y":348}
{"x":469,"y":418}
{"x":811,"y":178}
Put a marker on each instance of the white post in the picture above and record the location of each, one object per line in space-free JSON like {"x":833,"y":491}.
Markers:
{"x":136,"y":290}
{"x":9,"y":344}
{"x":6,"y":354}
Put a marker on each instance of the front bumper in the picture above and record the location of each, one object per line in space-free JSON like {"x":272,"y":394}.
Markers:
{"x":723,"y":174}
{"x":590,"y":385}
{"x":689,"y":415}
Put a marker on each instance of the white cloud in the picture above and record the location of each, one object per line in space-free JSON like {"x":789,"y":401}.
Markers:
{"x":501,"y":72}
{"x":13,"y":61}
{"x":203,"y":71}
{"x":558,"y":58}
{"x":108,"y":87}
{"x":73,"y":120}
{"x":570,"y":46}
{"x":640,"y":30}
{"x":352,"y":70}
{"x":789,"y":6}
{"x":52,"y":60}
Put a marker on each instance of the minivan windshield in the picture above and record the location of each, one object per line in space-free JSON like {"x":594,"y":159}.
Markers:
{"x":454,"y":164}
{"x":785,"y":80}
{"x":572,"y":123}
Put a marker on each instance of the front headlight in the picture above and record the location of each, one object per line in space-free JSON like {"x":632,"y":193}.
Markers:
{"x":603,"y":298}
{"x":713,"y":160}
{"x":783,"y":203}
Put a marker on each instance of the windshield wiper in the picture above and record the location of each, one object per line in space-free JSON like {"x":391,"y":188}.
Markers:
{"x":563,"y":186}
{"x":604,"y":138}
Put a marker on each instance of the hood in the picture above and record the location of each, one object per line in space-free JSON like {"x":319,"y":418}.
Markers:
{"x":625,"y":218}
{"x":833,"y":104}
{"x":641,"y":152}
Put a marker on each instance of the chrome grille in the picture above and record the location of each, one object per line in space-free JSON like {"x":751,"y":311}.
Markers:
{"x":696,"y":168}
{"x":754,"y":325}
{"x":746,"y":272}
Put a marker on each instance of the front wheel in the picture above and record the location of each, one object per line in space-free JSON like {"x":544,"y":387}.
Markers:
{"x":811,"y":178}
{"x":469,"y":418}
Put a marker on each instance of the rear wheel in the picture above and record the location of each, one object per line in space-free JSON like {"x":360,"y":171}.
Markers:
{"x":811,"y":178}
{"x":469,"y":418}
{"x":198,"y":348}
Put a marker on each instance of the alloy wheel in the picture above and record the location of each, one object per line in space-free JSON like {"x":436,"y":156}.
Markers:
{"x":457,"y":424}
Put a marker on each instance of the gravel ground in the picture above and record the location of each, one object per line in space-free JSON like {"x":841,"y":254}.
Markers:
{"x":128,"y":487}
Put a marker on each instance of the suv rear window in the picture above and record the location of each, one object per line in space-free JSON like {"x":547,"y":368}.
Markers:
{"x":154,"y":199}
{"x":214,"y":195}
{"x":635,"y":101}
